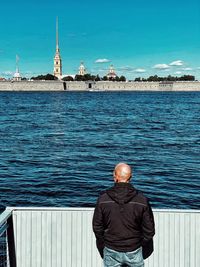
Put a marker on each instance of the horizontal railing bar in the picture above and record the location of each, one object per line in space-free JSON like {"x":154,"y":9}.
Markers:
{"x":5,"y":215}
{"x":3,"y":228}
{"x":91,"y":209}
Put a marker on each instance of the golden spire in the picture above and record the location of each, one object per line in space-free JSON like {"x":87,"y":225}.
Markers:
{"x":57,"y":36}
{"x":57,"y":59}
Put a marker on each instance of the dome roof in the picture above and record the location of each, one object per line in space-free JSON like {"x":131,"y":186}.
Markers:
{"x":17,"y":75}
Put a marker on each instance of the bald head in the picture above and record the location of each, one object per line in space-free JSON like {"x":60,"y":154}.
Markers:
{"x":122,"y":173}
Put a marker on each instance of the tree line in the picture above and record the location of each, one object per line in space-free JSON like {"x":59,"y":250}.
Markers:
{"x":169,"y":78}
{"x":46,"y":77}
{"x":96,"y":78}
{"x":89,"y":77}
{"x":86,"y":77}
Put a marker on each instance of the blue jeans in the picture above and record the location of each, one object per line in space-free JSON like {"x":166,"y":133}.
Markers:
{"x":112,"y":258}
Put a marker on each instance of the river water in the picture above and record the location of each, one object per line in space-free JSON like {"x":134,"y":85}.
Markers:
{"x":60,"y":148}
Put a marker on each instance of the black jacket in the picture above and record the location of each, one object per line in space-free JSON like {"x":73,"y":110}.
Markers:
{"x":123,"y":219}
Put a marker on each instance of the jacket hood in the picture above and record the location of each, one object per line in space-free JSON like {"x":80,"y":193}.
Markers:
{"x":122,"y":193}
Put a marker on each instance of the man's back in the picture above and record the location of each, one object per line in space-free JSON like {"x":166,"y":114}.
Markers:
{"x":127,"y":218}
{"x":123,"y":220}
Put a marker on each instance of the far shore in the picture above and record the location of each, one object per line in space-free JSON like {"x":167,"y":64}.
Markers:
{"x":98,"y":86}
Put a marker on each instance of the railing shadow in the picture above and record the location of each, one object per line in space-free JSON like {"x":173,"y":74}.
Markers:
{"x":11,"y":243}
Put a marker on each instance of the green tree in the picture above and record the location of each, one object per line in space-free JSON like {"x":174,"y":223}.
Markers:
{"x":86,"y":77}
{"x":68,"y":78}
{"x":154,"y":78}
{"x":47,"y":77}
{"x":138,"y":79}
{"x":97,"y":79}
{"x":187,"y":78}
{"x":89,"y":77}
{"x":105,"y":78}
{"x":50,"y":77}
{"x":169,"y":78}
{"x":122,"y":78}
{"x":79,"y":78}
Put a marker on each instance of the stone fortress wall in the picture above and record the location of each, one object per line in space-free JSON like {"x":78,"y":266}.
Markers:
{"x":98,"y":86}
{"x":31,"y":86}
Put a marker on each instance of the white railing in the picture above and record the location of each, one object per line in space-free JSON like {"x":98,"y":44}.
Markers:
{"x":4,"y":237}
{"x":63,"y":237}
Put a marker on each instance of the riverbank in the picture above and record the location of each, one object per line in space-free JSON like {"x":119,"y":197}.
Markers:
{"x":98,"y":86}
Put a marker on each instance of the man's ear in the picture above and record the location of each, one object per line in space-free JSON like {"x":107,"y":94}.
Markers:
{"x":129,"y":178}
{"x":114,"y":176}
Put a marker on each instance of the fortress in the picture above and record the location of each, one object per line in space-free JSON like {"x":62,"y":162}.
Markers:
{"x":17,"y":84}
{"x":97,"y":86}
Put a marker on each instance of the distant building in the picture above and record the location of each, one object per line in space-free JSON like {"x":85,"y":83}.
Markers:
{"x":17,"y":76}
{"x":82,"y":69}
{"x":57,"y":59}
{"x":111,"y":73}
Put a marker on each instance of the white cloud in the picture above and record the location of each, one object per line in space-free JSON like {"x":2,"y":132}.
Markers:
{"x":126,"y":68}
{"x":102,"y":60}
{"x":7,"y":73}
{"x":140,"y":70}
{"x":28,"y":72}
{"x":161,"y":66}
{"x":187,"y":69}
{"x":178,"y":72}
{"x":177,"y":63}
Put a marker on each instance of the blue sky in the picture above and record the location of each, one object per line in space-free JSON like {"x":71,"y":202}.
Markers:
{"x":139,"y":37}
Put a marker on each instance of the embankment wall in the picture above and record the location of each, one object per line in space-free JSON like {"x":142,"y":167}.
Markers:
{"x":98,"y":86}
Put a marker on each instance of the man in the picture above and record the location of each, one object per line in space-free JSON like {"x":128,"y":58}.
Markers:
{"x":123,"y":222}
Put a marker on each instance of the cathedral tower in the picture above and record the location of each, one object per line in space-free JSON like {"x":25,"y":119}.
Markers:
{"x":17,"y":77}
{"x":57,"y":59}
{"x":82,"y":70}
{"x":111,"y":74}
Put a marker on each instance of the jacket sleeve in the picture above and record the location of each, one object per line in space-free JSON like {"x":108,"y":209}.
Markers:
{"x":98,"y":228}
{"x":148,"y":225}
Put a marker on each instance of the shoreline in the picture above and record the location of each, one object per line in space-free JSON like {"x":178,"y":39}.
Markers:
{"x":184,"y":86}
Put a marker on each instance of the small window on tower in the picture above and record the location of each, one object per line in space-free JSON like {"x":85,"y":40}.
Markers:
{"x":56,"y":70}
{"x":56,"y":62}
